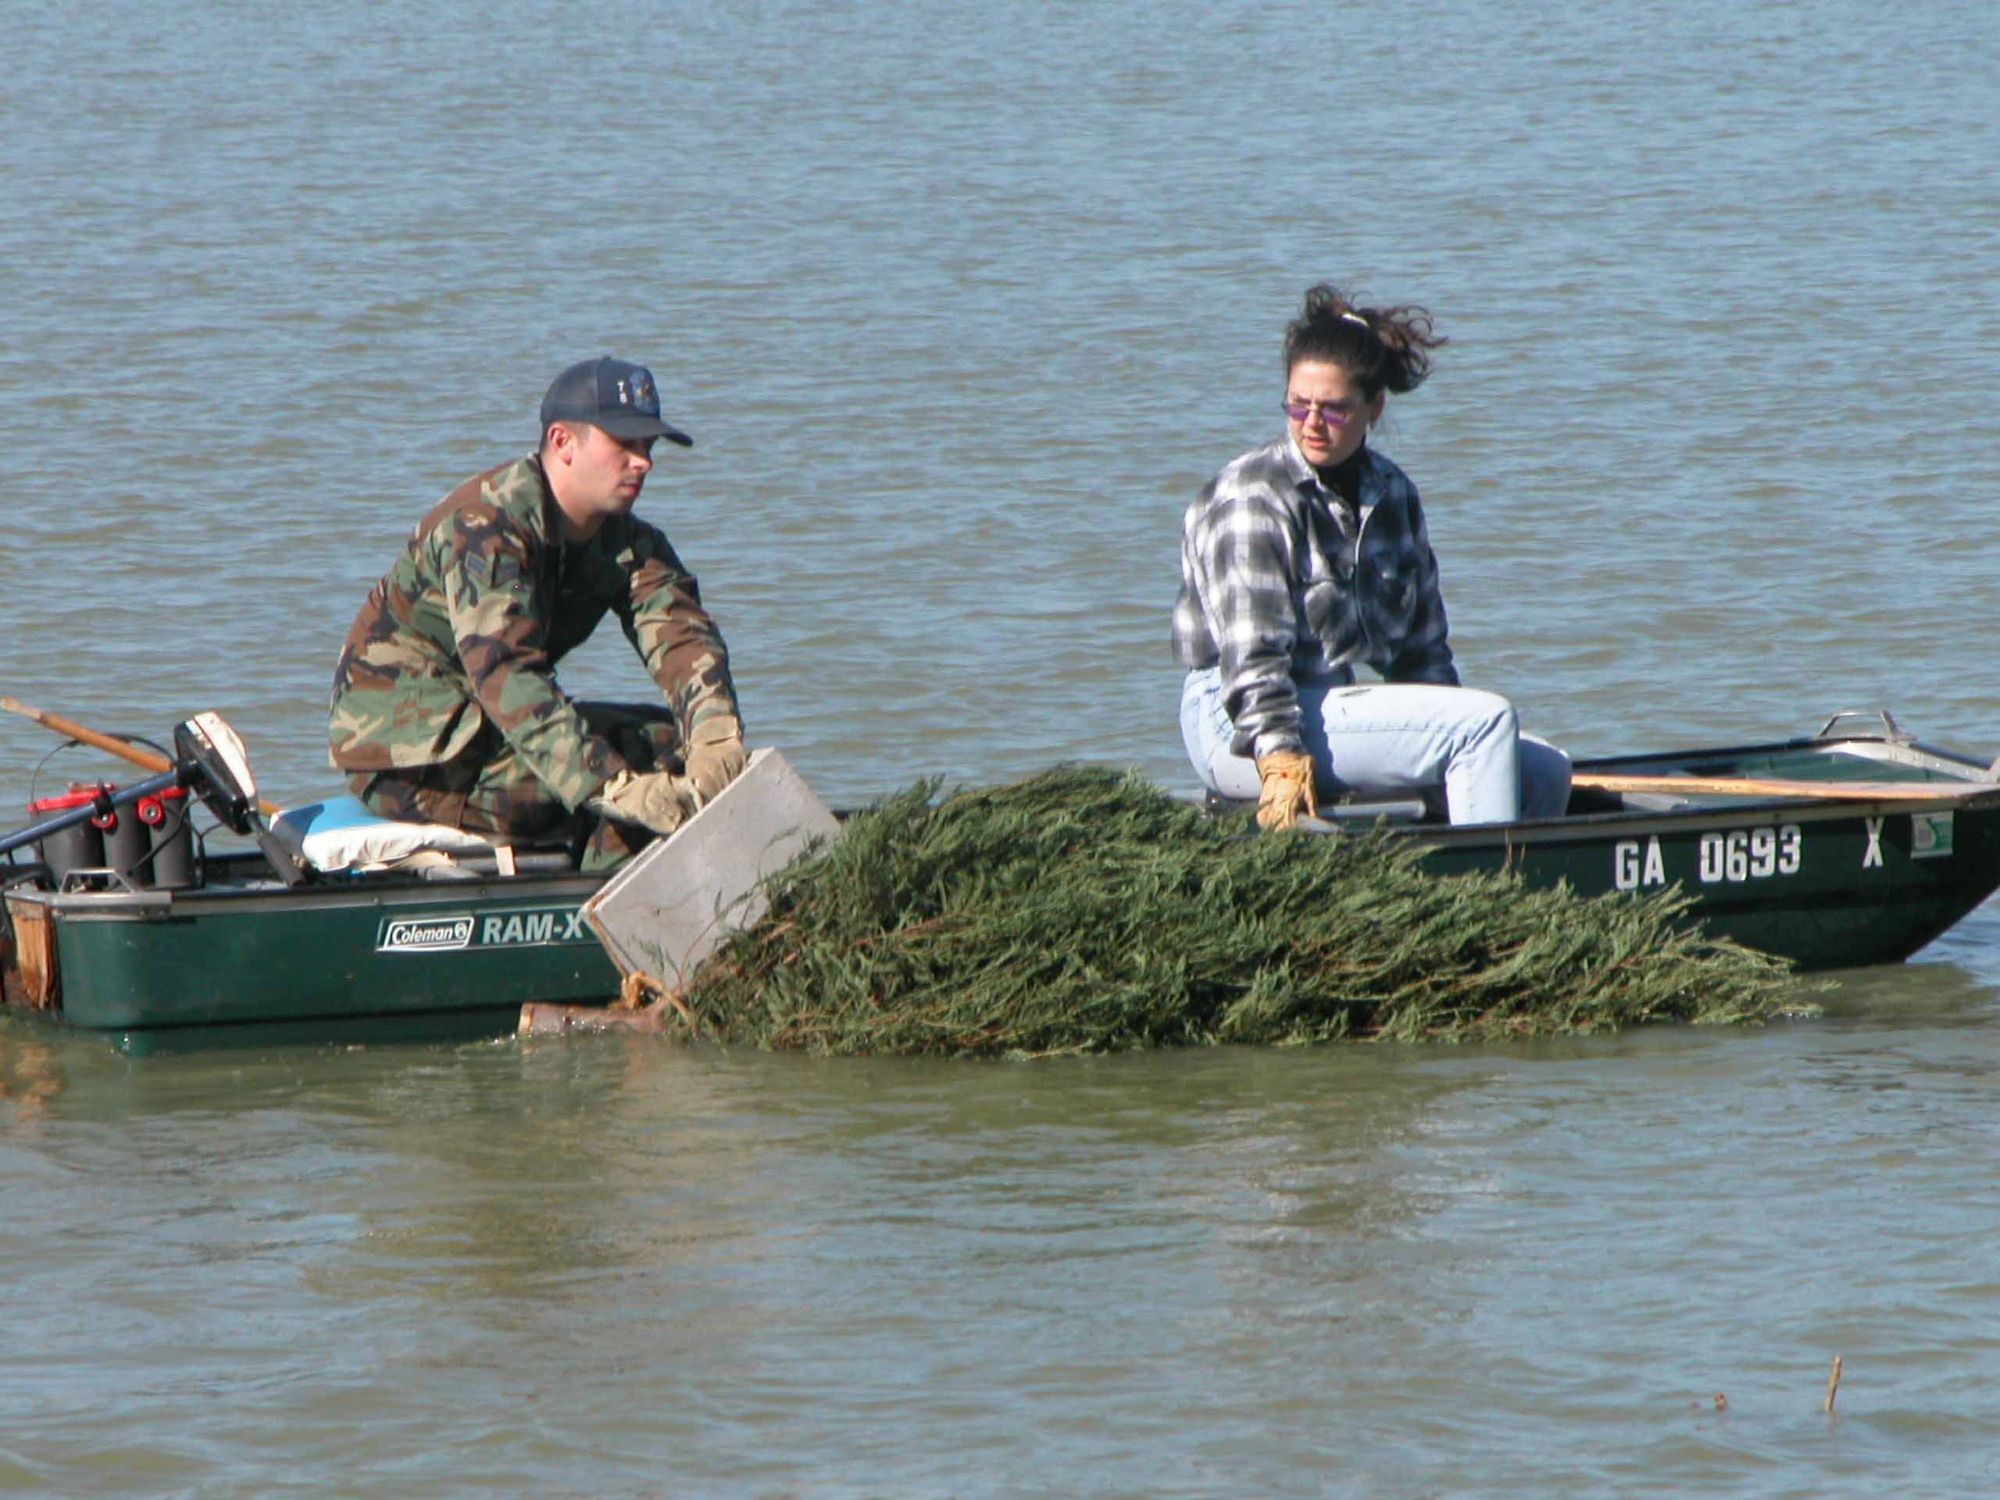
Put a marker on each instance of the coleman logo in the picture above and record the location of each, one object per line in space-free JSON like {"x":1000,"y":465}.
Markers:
{"x":423,"y":934}
{"x":461,"y":930}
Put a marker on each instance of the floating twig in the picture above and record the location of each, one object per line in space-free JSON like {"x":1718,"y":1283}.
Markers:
{"x":1832,"y":1385}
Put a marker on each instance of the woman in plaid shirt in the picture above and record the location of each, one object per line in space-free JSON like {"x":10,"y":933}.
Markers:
{"x":1309,"y":555}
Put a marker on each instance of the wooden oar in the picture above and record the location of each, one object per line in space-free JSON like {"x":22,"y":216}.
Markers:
{"x":1771,"y":786}
{"x":97,"y":739}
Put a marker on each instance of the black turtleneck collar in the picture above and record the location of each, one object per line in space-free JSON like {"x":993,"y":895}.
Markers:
{"x":1344,"y":478}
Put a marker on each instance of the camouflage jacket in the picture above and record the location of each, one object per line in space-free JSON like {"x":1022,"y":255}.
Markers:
{"x":466,"y":629}
{"x":1281,"y":580}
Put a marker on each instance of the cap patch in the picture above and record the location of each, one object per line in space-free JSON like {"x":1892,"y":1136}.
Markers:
{"x":638,"y":392}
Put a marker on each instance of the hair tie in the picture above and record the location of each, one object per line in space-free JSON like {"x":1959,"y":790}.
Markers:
{"x":1354,"y":317}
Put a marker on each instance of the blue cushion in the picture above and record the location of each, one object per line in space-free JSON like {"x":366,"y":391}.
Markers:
{"x":325,"y":817}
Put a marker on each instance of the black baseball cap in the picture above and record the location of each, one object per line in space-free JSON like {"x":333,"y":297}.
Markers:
{"x":609,"y":393}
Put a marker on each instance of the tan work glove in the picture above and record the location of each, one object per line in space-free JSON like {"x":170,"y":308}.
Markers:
{"x":658,"y":800}
{"x":1286,"y":793}
{"x":715,"y":755}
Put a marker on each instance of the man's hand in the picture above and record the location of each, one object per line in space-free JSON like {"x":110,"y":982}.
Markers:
{"x":715,"y":755}
{"x":1286,"y":793}
{"x":658,"y":800}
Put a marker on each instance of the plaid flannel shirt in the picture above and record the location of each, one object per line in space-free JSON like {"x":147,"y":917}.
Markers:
{"x":1281,"y":581}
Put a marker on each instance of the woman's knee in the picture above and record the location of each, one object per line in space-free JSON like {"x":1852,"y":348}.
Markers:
{"x":1487,"y":714}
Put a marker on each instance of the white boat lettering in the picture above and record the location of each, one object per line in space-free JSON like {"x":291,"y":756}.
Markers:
{"x":1791,"y":842}
{"x":1750,"y":854}
{"x":1872,"y":857}
{"x":1632,"y":868}
{"x":520,"y":929}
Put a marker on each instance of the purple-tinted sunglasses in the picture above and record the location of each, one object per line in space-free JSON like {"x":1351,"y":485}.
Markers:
{"x":1331,"y":413}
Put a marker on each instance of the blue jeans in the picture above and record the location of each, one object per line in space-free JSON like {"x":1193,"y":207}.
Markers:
{"x":1394,"y":736}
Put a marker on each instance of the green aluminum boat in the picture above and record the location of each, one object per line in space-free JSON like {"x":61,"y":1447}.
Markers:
{"x":252,"y":945}
{"x":1776,"y":853}
{"x":245,"y":949}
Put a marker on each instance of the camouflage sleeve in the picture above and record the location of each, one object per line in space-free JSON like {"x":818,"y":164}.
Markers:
{"x":674,"y":635}
{"x":489,"y":586}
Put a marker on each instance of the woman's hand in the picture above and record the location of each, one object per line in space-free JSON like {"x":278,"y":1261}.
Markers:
{"x":1286,"y":791}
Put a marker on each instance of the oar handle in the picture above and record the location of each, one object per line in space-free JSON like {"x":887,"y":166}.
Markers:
{"x":83,"y":734}
{"x":111,"y":744}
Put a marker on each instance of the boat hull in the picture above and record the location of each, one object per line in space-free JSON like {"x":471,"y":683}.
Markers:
{"x":137,"y":961}
{"x":1826,"y":886}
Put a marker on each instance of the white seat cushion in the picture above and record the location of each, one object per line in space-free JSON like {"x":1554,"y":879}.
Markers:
{"x":341,"y":834}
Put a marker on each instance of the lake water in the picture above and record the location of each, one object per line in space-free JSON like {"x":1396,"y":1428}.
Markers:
{"x":961,"y":304}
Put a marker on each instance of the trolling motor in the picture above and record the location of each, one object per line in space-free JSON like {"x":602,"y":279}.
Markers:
{"x":213,"y":752}
{"x":210,"y":762}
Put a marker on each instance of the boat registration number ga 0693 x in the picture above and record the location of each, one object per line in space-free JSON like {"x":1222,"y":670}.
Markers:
{"x":452,"y":932}
{"x":1740,"y":854}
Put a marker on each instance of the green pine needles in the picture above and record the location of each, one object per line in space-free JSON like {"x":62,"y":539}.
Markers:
{"x":1084,"y":910}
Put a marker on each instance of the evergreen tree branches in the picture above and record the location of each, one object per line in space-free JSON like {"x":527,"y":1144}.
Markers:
{"x":1083,"y":910}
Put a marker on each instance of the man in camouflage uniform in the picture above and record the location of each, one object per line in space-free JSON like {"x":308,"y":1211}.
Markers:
{"x":445,"y":704}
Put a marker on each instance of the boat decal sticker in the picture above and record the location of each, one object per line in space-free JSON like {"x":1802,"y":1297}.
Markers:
{"x":1930,"y":835}
{"x":454,"y":932}
{"x":1872,"y":858}
{"x":424,"y":934}
{"x":1751,"y":854}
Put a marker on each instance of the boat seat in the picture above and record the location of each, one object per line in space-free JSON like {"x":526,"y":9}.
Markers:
{"x":341,"y":836}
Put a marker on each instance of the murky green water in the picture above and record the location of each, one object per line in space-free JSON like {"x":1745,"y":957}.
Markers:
{"x":962,"y":304}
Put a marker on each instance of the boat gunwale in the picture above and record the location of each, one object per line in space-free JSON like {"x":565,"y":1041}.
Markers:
{"x":1748,"y":813}
{"x":393,"y":890}
{"x":1899,"y":752}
